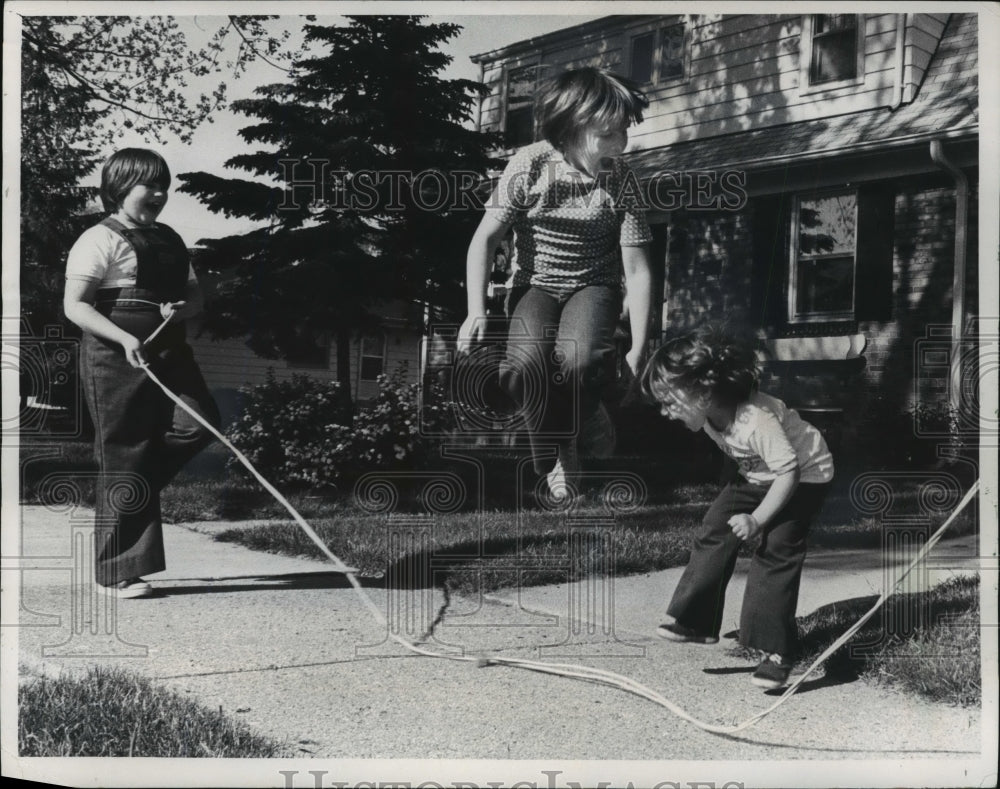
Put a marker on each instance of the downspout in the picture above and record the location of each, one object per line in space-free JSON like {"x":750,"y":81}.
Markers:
{"x":900,"y":61}
{"x":479,"y":103}
{"x":958,"y":279}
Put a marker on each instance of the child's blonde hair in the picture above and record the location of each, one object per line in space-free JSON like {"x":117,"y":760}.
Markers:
{"x":703,"y":361}
{"x":128,"y":167}
{"x":586,"y":97}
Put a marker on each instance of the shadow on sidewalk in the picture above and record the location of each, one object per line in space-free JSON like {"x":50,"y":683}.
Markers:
{"x":322,"y":579}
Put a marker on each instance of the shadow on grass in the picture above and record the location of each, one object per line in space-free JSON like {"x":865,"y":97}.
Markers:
{"x":926,"y":642}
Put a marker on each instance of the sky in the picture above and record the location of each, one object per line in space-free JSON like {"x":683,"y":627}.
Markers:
{"x":215,"y":142}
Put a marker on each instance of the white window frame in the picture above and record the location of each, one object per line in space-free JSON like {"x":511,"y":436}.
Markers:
{"x":656,"y":79}
{"x":379,"y":337}
{"x":795,"y":258}
{"x":806,"y":86}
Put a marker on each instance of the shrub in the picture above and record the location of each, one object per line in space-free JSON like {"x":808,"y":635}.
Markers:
{"x":301,"y":432}
{"x":286,"y":426}
{"x":916,"y":435}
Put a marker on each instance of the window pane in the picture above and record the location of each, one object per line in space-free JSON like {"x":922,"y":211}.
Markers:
{"x":825,"y":285}
{"x":672,"y":53}
{"x":834,"y":48}
{"x":826,"y":225}
{"x":520,"y":126}
{"x":371,"y":367}
{"x":826,"y":23}
{"x":824,"y":274}
{"x":371,"y":346}
{"x":521,"y":84}
{"x":372,"y":360}
{"x":642,"y":58}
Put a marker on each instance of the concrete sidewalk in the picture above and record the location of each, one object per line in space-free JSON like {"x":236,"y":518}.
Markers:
{"x":288,"y":647}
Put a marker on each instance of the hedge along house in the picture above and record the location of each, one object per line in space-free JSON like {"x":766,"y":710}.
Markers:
{"x":812,"y":179}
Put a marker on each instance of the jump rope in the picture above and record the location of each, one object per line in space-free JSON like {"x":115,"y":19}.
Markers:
{"x":572,"y":671}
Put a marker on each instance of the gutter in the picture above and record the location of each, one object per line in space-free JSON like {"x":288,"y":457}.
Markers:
{"x":634,"y":158}
{"x":958,"y":276}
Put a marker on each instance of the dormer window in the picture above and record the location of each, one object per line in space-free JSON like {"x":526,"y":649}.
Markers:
{"x":832,"y":49}
{"x":659,"y":55}
{"x":519,"y":123}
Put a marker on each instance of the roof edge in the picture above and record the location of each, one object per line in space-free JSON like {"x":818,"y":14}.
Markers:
{"x":574,"y":32}
{"x":947,"y":135}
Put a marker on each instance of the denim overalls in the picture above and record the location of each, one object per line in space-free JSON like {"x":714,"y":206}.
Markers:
{"x":141,"y":438}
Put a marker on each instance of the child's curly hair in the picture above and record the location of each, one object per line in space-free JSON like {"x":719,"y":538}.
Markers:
{"x":705,"y":361}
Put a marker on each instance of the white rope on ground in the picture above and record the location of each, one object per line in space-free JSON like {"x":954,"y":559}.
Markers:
{"x":571,"y":671}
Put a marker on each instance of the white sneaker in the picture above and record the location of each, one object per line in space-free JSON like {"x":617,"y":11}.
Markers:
{"x":597,"y":434}
{"x":563,"y":474}
{"x":130,"y":587}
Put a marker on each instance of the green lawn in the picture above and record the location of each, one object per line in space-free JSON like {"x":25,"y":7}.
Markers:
{"x":936,"y":656}
{"x":112,"y":712}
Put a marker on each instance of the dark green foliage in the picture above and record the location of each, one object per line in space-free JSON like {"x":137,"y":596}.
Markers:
{"x":112,"y":712}
{"x":353,"y":128}
{"x":920,"y":437}
{"x":302,"y":431}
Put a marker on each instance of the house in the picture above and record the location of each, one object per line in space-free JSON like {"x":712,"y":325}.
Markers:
{"x":812,"y":179}
{"x":229,"y":365}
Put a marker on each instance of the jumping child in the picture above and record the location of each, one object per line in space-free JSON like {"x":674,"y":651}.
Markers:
{"x":124,"y":276}
{"x":574,"y":234}
{"x":709,"y":382}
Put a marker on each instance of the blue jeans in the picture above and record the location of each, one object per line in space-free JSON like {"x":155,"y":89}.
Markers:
{"x":560,"y":357}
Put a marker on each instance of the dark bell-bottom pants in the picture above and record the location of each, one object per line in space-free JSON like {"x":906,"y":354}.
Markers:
{"x":142,"y":439}
{"x":767,"y":619}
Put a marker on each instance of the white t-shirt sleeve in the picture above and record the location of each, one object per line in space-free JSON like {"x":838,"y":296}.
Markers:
{"x":769,"y":442}
{"x":93,"y":254}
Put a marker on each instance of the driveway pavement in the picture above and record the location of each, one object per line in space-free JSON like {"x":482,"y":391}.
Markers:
{"x":288,"y":647}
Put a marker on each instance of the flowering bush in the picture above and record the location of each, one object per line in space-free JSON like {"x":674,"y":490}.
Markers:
{"x":301,"y":431}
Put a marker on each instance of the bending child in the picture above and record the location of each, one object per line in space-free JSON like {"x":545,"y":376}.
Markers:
{"x":574,"y":234}
{"x":709,"y":383}
{"x":124,"y":276}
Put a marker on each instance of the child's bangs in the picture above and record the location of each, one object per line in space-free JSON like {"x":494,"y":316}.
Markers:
{"x":152,"y":170}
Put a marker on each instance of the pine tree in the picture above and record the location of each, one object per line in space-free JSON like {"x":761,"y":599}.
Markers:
{"x":362,"y":140}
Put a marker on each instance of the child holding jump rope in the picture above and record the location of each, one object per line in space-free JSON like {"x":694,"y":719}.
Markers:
{"x":573,"y":238}
{"x":124,"y":277}
{"x":709,"y":382}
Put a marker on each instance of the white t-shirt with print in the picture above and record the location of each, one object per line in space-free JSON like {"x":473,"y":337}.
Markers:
{"x":101,"y":255}
{"x":767,"y":439}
